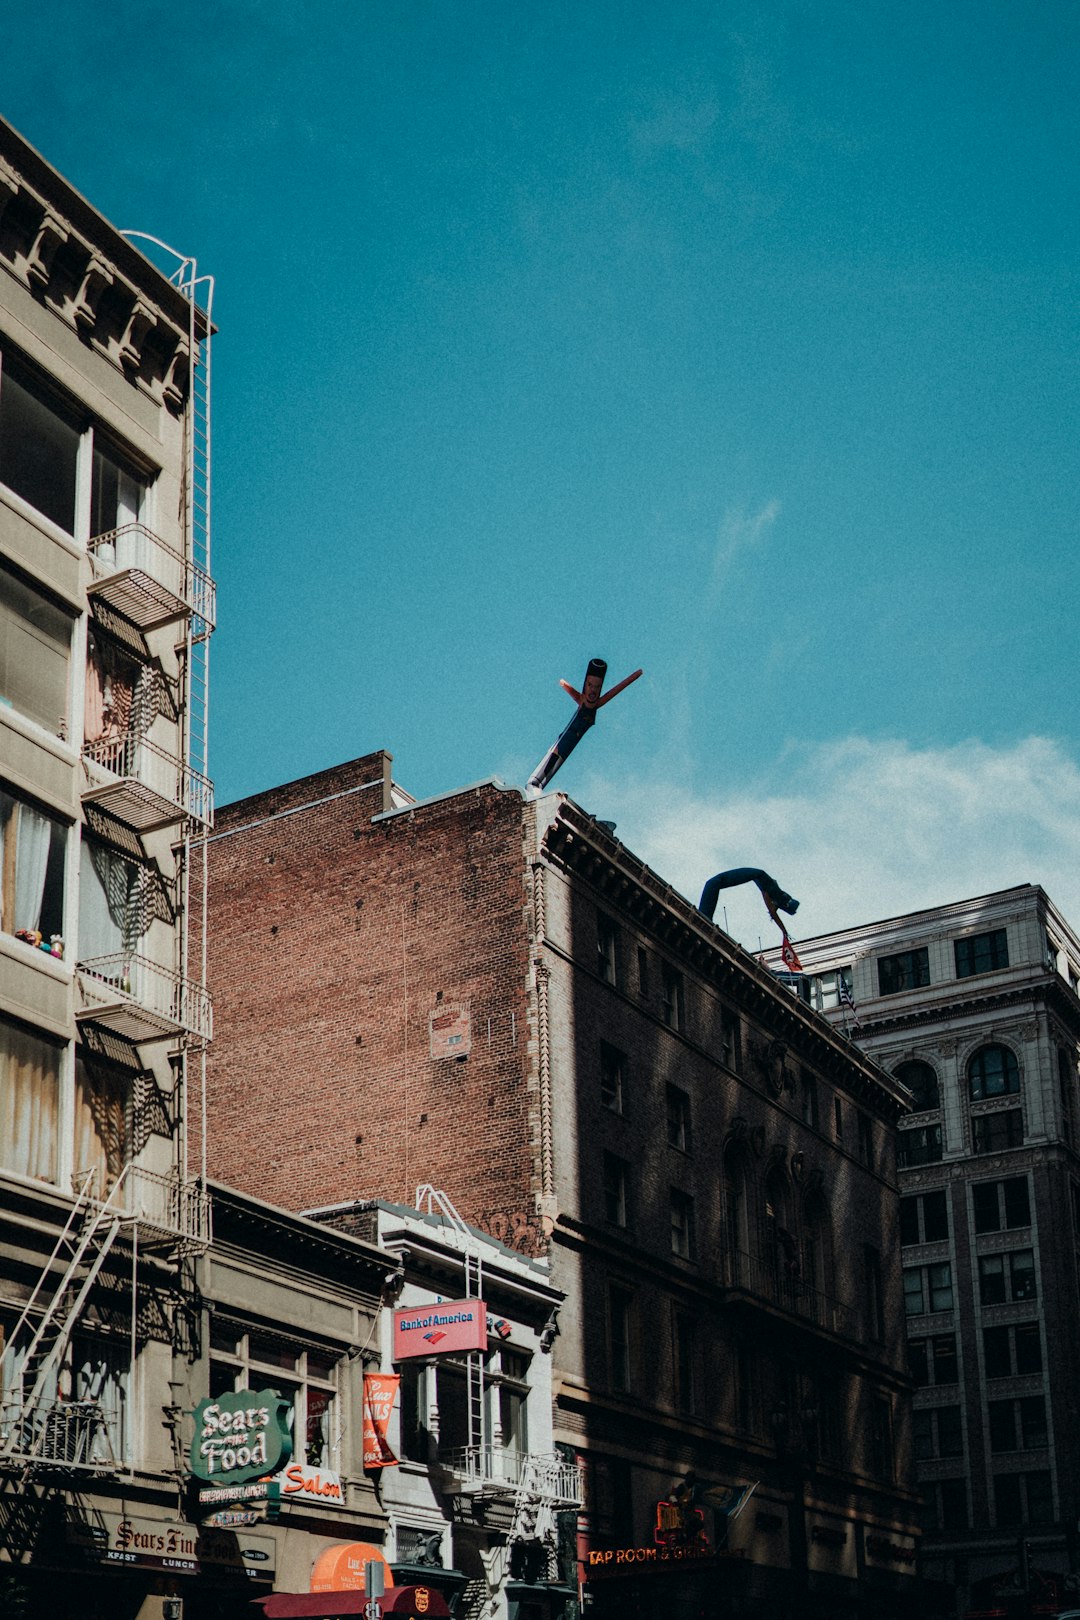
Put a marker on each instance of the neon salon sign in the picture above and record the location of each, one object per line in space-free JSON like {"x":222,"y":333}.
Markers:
{"x":241,"y":1435}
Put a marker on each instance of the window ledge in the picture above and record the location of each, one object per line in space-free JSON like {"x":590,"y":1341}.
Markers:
{"x":40,"y":521}
{"x":34,"y":733}
{"x":57,"y":966}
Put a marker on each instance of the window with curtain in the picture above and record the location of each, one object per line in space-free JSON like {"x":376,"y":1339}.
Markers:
{"x":101,"y":1372}
{"x":39,"y":443}
{"x":35,"y":653}
{"x":102,"y":1121}
{"x":32,"y":852}
{"x":29,"y":1102}
{"x":111,"y":908}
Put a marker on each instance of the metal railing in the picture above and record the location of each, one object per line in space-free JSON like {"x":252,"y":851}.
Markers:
{"x":169,"y":1205}
{"x":782,"y":1285}
{"x":133,"y":986}
{"x":545,"y":1473}
{"x":58,"y":1434}
{"x":161,"y":776}
{"x":158,"y":582}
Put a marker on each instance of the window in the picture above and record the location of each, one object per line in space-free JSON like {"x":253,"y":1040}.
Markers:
{"x":114,"y":902}
{"x":1012,"y":1351}
{"x":678,"y":1119}
{"x":924,"y":1219}
{"x":908,"y":970}
{"x":643,"y":973}
{"x":981,"y":953}
{"x":116,"y":493}
{"x":922,"y":1082}
{"x":32,"y":851}
{"x":612,"y":1078}
{"x":945,"y":1505}
{"x":838,"y":1119}
{"x":684,"y":1362}
{"x":1066,"y":1064}
{"x":993,"y":1072}
{"x":991,"y":1133}
{"x":103,"y":1095}
{"x":1005,"y":1277}
{"x":29,"y":1102}
{"x":875,"y":1307}
{"x":304,"y":1375}
{"x":1000,"y":1205}
{"x":928,"y":1288}
{"x":1017,"y":1425}
{"x":510,"y":1395}
{"x":730,"y":1040}
{"x":937,"y":1432}
{"x":682,"y":1224}
{"x":881,"y":1439}
{"x":100,"y":1371}
{"x":919,"y":1144}
{"x":35,"y":651}
{"x":620,"y":1307}
{"x":810,"y":1101}
{"x":39,"y":444}
{"x":672,"y":1003}
{"x":933,"y":1360}
{"x":866,"y":1138}
{"x":615,"y":1172}
{"x":1023,"y":1499}
{"x":607,"y":938}
{"x":825,"y":988}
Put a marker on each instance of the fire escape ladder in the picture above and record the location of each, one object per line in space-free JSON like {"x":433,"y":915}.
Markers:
{"x":434,"y":1202}
{"x":87,"y":1237}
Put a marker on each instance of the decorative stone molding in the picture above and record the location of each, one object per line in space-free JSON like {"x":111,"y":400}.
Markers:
{"x":174,"y":389}
{"x":52,"y":233}
{"x":140,"y":322}
{"x":9,"y":184}
{"x":96,"y":278}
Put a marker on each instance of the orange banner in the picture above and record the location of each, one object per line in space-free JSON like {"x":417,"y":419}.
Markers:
{"x":380,"y":1393}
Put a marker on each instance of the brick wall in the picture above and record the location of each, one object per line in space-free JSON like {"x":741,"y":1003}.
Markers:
{"x":333,"y":940}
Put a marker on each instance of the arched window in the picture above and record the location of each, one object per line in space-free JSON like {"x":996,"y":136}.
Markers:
{"x":781,"y":1246}
{"x":922,"y":1082}
{"x":993,"y":1072}
{"x":817,"y":1252}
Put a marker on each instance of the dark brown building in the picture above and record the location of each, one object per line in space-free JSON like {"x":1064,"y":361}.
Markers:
{"x":491,"y":994}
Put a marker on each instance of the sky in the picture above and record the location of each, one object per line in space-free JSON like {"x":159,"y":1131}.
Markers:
{"x":733,"y":340}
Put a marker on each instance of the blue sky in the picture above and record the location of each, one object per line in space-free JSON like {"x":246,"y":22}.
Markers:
{"x":733,"y":340}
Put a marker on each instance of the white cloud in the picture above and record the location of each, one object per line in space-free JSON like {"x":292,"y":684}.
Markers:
{"x":859,"y":830}
{"x":741,"y":531}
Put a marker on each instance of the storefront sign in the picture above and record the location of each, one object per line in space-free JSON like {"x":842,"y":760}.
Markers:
{"x":600,"y":1560}
{"x":439,"y":1330}
{"x":240,"y":1436}
{"x":179,"y":1549}
{"x":301,"y":1481}
{"x":380,"y":1393}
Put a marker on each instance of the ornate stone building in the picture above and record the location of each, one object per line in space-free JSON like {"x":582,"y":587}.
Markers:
{"x":974,"y":1008}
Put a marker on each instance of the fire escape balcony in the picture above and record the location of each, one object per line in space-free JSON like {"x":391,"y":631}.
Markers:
{"x":167,"y":1211}
{"x":141,"y":1000}
{"x":143,"y":785}
{"x":141,"y":576}
{"x":777,"y":1289}
{"x":489,"y":1471}
{"x":66,"y":1436}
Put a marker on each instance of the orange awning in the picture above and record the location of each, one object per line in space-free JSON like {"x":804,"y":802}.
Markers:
{"x":341,"y":1568}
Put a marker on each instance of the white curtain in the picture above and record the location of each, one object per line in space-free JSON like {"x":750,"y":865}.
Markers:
{"x":32,"y":859}
{"x":106,"y":921}
{"x":29,"y":1103}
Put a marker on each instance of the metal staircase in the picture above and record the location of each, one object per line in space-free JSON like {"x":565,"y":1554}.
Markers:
{"x":433,"y":1202}
{"x":36,"y":1426}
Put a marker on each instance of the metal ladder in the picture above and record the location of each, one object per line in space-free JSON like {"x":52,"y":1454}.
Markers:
{"x":89,"y":1233}
{"x":430,"y":1200}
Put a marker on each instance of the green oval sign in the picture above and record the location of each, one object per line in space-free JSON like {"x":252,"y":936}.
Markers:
{"x":241,"y":1435}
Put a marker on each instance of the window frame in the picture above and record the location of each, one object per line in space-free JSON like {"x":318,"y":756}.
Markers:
{"x":904,"y":970}
{"x":967,"y":953}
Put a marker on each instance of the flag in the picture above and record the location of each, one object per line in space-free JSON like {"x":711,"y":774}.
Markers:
{"x":380,"y":1393}
{"x":788,"y":955}
{"x":846,"y":998}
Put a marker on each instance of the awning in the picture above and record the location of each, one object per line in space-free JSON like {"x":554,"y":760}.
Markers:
{"x":404,"y":1602}
{"x":341,"y":1568}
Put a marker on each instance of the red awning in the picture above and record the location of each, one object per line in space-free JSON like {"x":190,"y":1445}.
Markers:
{"x":405,"y":1602}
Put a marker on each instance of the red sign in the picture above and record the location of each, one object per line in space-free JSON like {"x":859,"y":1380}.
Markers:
{"x":380,"y":1393}
{"x":439,"y":1330}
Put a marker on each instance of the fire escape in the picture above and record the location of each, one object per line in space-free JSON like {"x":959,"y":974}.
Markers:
{"x":519,"y":1494}
{"x":149,"y":1220}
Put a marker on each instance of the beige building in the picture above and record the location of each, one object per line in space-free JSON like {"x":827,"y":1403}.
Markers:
{"x":974,"y":1008}
{"x":106,"y":606}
